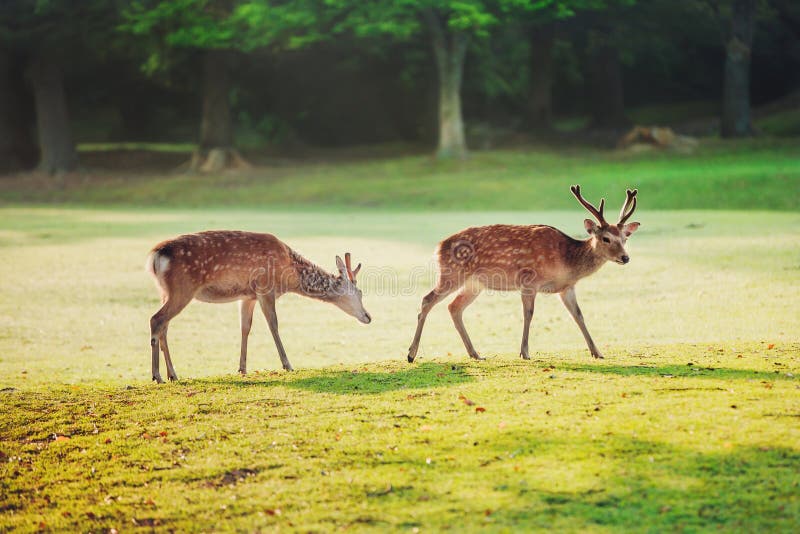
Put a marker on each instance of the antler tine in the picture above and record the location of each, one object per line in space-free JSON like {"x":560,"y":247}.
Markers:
{"x":598,"y":213}
{"x":630,"y":202}
{"x":351,"y":273}
{"x":347,"y":264}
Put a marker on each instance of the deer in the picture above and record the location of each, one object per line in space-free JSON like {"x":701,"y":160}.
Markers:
{"x":225,"y":266}
{"x":531,"y":259}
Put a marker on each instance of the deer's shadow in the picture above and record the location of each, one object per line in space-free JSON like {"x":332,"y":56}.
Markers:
{"x":420,"y":376}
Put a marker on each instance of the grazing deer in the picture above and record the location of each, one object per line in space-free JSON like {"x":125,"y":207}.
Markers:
{"x":223,"y":266}
{"x":532,"y":259}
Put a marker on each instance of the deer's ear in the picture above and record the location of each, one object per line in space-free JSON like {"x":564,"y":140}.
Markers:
{"x":590,"y":226}
{"x":341,"y":267}
{"x":629,"y":228}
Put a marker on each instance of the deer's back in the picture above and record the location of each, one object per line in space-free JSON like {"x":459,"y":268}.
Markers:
{"x":222,"y":265}
{"x":506,"y":256}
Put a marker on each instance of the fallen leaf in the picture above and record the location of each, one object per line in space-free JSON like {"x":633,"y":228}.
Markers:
{"x":62,"y":438}
{"x":271,"y":511}
{"x":425,"y":428}
{"x":487,"y":513}
{"x":145,"y":435}
{"x":163,"y":433}
{"x":465,"y":400}
{"x":771,"y":346}
{"x":502,"y":425}
{"x":480,"y":409}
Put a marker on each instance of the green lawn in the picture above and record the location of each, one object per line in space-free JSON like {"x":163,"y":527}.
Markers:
{"x":754,"y":174}
{"x":690,"y":423}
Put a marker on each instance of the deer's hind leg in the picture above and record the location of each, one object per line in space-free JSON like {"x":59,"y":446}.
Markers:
{"x":442,"y":289}
{"x":466,"y":297}
{"x":171,"y":375}
{"x":528,"y":298}
{"x":172,"y":305}
{"x":246,"y":308}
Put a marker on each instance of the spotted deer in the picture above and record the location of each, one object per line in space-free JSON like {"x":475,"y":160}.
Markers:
{"x":224,"y":266}
{"x":530,"y":259}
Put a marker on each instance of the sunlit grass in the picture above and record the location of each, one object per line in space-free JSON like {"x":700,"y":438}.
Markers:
{"x":759,"y":174}
{"x":689,"y":424}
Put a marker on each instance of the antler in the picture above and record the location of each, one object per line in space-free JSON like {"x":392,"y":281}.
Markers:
{"x":350,"y":272}
{"x":597,"y":212}
{"x":630,"y":201}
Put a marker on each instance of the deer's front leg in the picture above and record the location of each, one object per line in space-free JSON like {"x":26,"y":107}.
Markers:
{"x":246,"y":308}
{"x":571,"y":302}
{"x":528,"y":298}
{"x":464,"y":299}
{"x":268,"y":307}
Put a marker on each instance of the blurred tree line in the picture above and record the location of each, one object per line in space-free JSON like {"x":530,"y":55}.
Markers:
{"x":347,"y":72}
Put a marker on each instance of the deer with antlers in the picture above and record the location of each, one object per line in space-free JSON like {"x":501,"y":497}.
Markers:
{"x":530,"y":259}
{"x":224,"y":266}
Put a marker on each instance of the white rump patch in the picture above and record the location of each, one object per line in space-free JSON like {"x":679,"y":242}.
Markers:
{"x":157,"y":264}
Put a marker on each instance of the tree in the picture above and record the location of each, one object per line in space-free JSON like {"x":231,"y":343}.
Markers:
{"x":47,"y":32}
{"x":218,"y":30}
{"x":539,"y":109}
{"x":735,"y":121}
{"x":17,"y":147}
{"x":450,"y":26}
{"x":175,"y":31}
{"x":604,"y":68}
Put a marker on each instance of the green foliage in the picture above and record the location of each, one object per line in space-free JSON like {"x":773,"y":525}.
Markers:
{"x":61,"y":28}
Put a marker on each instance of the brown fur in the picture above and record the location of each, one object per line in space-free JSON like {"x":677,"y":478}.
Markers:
{"x":530,"y":259}
{"x":224,"y":266}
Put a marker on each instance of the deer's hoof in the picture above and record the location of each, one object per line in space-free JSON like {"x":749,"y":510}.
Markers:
{"x":477,"y":357}
{"x":173,"y":378}
{"x":411,"y":358}
{"x":243,"y":372}
{"x":598,"y":356}
{"x":157,"y":379}
{"x":525,"y":356}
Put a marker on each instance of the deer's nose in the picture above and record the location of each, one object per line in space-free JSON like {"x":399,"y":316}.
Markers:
{"x":368,"y":318}
{"x":625,"y":259}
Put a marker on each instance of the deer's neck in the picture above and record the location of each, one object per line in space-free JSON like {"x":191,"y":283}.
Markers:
{"x":314,"y":281}
{"x":584,"y":258}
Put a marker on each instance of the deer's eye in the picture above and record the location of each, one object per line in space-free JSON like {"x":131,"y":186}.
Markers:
{"x":606,"y":240}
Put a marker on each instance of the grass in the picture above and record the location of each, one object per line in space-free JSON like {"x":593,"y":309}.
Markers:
{"x":760,"y":174}
{"x":690,"y":424}
{"x":181,"y":148}
{"x":783,"y":123}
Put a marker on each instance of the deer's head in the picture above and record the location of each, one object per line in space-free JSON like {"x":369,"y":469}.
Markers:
{"x":609,"y":240}
{"x":348,"y":296}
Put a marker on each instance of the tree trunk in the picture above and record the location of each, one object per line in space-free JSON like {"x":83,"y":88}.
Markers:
{"x":736,"y":90}
{"x":216,"y":129}
{"x":56,"y":145}
{"x":539,"y":110}
{"x":17,"y":149}
{"x":216,"y":151}
{"x":605,"y":75}
{"x":449,"y":50}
